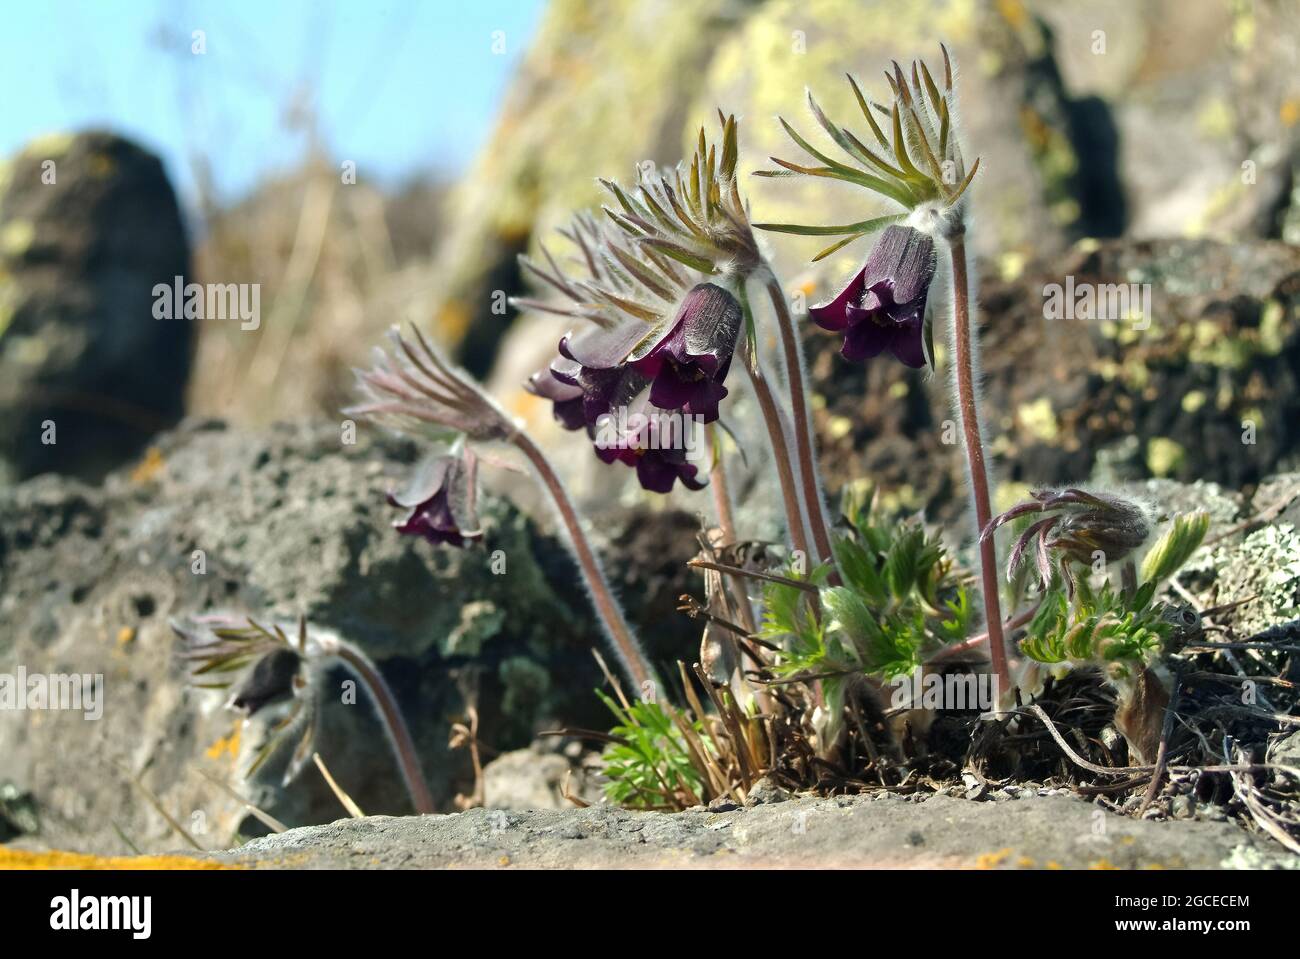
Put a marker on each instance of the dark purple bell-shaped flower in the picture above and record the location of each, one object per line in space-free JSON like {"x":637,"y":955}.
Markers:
{"x":273,"y":678}
{"x":690,"y":358}
{"x":441,"y":501}
{"x":655,"y":442}
{"x":595,"y":362}
{"x":883,"y":307}
{"x":566,"y":398}
{"x":658,"y":469}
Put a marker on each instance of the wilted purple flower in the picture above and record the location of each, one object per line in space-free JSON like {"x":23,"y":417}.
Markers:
{"x":1081,"y":528}
{"x":691,"y":357}
{"x":883,"y":307}
{"x":441,"y":501}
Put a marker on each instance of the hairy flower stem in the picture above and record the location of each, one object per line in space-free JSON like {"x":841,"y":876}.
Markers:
{"x":727,"y":522}
{"x":802,"y":420}
{"x":620,"y":634}
{"x":398,"y":733}
{"x":979,"y":479}
{"x":794,"y":513}
{"x":781,"y":453}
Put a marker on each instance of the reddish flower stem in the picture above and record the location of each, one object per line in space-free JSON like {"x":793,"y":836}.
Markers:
{"x":781,"y":453}
{"x":979,"y":480}
{"x":620,"y":634}
{"x":802,"y":420}
{"x":780,"y":443}
{"x":403,"y":745}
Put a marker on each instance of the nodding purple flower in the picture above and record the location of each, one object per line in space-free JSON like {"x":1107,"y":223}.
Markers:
{"x":692,"y":356}
{"x":658,"y":469}
{"x":672,"y":370}
{"x":566,"y":398}
{"x":883,"y":307}
{"x":440,"y":501}
{"x":272,"y":679}
{"x":683,"y":361}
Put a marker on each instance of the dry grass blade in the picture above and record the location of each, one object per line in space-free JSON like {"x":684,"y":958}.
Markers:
{"x":265,"y":818}
{"x":353,"y":809}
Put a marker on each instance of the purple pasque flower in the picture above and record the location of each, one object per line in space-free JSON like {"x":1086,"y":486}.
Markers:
{"x":688,"y":362}
{"x":566,"y":398}
{"x":665,"y":378}
{"x":682,"y":360}
{"x":595,"y":362}
{"x":883,"y":306}
{"x":441,"y":500}
{"x":656,"y":442}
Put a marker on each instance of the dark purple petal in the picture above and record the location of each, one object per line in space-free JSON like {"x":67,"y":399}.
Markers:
{"x":832,"y":315}
{"x":908,"y":345}
{"x":904,"y":257}
{"x":441,"y":501}
{"x":657,"y":470}
{"x":604,"y":349}
{"x":566,"y":398}
{"x":691,"y":361}
{"x":889,"y":311}
{"x":863,"y":340}
{"x":271,"y":679}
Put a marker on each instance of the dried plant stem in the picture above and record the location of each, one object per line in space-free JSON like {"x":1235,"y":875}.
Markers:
{"x":727,"y":521}
{"x":399,"y":734}
{"x":812,"y":487}
{"x":979,"y":481}
{"x":620,"y":634}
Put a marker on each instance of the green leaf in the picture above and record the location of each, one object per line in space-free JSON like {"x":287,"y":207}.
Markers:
{"x":865,"y":226}
{"x":1175,"y":547}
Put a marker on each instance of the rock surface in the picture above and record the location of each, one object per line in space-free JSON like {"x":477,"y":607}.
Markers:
{"x":88,"y":225}
{"x":282,"y":522}
{"x":888,"y":832}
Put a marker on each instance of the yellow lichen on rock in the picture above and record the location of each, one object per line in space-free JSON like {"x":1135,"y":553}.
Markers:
{"x":58,"y":859}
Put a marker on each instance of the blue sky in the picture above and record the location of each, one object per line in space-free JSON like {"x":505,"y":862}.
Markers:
{"x":399,"y":87}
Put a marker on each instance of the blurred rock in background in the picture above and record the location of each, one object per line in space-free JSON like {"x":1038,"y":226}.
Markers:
{"x":1093,"y":121}
{"x":88,"y":226}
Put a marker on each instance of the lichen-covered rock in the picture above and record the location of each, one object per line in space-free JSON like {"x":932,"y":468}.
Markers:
{"x":88,"y":226}
{"x":289,"y":521}
{"x":1207,"y":392}
{"x":1098,"y":120}
{"x":885,"y":831}
{"x":1204,"y":108}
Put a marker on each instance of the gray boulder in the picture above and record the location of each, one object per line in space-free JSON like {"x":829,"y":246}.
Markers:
{"x":88,"y":226}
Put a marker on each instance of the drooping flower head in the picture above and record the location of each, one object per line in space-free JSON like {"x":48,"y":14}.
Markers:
{"x":916,"y":162}
{"x":441,"y":500}
{"x":658,"y":337}
{"x":414,"y":390}
{"x":883,"y":306}
{"x":267,"y":671}
{"x":1081,"y":528}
